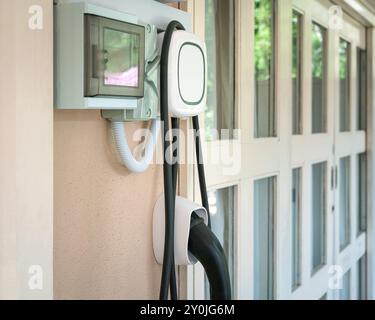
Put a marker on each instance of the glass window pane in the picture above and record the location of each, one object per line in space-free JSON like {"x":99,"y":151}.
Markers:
{"x":319,"y":106}
{"x":344,"y":194}
{"x":222,"y":210}
{"x":296,"y":228}
{"x":319,"y":215}
{"x":344,"y":86}
{"x":265,"y":113}
{"x":362,"y":89}
{"x":297,"y":72}
{"x":362,"y":193}
{"x":264,"y":221}
{"x":345,"y":290}
{"x":362,"y":278}
{"x":220,"y":41}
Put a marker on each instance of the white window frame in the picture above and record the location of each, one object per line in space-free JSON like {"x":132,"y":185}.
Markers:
{"x":274,"y":156}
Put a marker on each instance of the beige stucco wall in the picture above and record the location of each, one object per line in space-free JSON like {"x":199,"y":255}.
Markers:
{"x":103,"y":215}
{"x":26,"y":164}
{"x":82,"y":217}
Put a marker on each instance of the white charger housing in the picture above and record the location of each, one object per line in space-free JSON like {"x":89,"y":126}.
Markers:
{"x":183,"y":213}
{"x":187,"y":75}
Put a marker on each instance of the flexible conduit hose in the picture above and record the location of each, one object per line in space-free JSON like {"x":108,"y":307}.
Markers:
{"x":204,"y":245}
{"x":126,"y":155}
{"x":168,"y":278}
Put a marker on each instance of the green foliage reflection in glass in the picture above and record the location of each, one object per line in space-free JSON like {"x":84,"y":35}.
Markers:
{"x":344,"y":53}
{"x":263,"y":39}
{"x":265,"y":112}
{"x":123,"y":50}
{"x":297,"y":72}
{"x":319,"y":108}
{"x":318,"y":39}
{"x":210,"y":119}
{"x":296,"y":38}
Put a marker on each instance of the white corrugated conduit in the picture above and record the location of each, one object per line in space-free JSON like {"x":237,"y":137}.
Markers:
{"x":126,"y":155}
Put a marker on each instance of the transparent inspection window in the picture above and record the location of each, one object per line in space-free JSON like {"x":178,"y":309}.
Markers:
{"x":122,"y":68}
{"x":220,"y":117}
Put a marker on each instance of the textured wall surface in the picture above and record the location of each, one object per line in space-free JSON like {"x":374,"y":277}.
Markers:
{"x":103,"y":215}
{"x":26,"y":144}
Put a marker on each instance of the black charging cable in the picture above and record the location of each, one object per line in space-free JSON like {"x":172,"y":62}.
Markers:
{"x":201,"y":171}
{"x":175,"y":129}
{"x":206,"y":248}
{"x":210,"y":250}
{"x":168,"y":279}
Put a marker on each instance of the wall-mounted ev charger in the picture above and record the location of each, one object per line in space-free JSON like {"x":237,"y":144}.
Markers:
{"x":182,"y":235}
{"x":187,"y":74}
{"x":112,"y":61}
